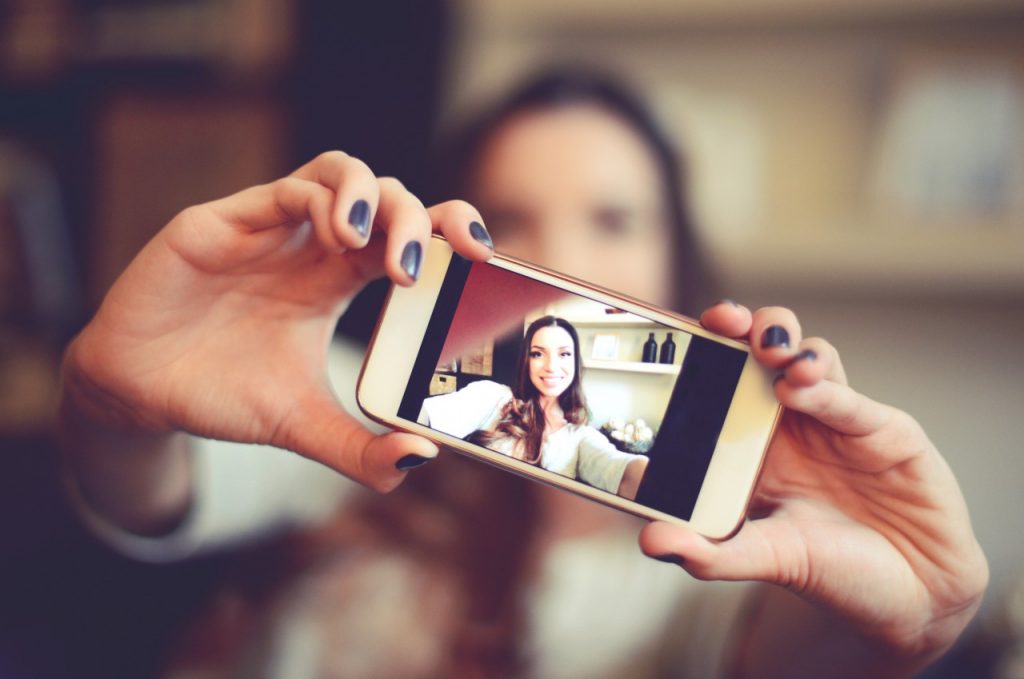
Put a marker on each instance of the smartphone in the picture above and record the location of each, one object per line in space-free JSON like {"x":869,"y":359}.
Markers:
{"x":574,"y":386}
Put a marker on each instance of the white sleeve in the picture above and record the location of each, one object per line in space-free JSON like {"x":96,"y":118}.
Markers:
{"x":241,"y":491}
{"x":601,"y":464}
{"x":462,"y":412}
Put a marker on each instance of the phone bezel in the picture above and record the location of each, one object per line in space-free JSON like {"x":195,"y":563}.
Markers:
{"x":735,"y":464}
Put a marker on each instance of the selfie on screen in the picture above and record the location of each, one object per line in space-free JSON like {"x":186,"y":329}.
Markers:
{"x":573,"y":386}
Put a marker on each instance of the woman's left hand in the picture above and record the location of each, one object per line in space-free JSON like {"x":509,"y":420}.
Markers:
{"x":855,"y":511}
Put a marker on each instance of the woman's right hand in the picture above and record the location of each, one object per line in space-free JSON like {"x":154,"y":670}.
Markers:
{"x":220,"y":326}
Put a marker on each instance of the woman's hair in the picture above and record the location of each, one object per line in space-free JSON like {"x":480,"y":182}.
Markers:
{"x":564,"y":87}
{"x":522,"y":418}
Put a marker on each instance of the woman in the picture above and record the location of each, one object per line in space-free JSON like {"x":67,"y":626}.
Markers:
{"x":543,"y":419}
{"x":856,"y":518}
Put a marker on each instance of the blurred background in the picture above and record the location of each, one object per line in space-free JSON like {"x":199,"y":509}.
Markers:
{"x":861,"y":161}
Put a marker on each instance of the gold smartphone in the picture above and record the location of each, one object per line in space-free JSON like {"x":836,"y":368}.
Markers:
{"x":575,"y":386}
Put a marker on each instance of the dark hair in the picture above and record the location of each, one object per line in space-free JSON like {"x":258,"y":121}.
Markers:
{"x":573,"y":87}
{"x":522,"y":418}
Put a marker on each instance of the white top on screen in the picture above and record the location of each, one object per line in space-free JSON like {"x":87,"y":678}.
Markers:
{"x":576,"y":451}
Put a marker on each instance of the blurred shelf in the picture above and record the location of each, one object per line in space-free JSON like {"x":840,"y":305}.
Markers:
{"x":599,"y":16}
{"x":957,"y":263}
{"x":613,"y":320}
{"x":632,"y":366}
{"x":788,"y":128}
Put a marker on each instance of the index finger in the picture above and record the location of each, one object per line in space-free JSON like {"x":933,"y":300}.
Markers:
{"x":461,"y":224}
{"x":728,"y":318}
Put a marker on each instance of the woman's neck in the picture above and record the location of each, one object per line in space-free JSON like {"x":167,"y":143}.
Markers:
{"x":548,"y":403}
{"x":552,"y":410}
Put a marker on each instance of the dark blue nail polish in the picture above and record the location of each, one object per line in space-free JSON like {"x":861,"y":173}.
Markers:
{"x":411,"y":461}
{"x":774,"y":336}
{"x":479,"y":234}
{"x":805,"y":355}
{"x":673,"y":559}
{"x":412,"y":258}
{"x":359,"y":217}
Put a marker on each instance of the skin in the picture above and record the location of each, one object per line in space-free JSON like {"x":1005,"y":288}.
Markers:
{"x":857,"y":514}
{"x":255,"y":279}
{"x":576,"y":190}
{"x":552,"y":366}
{"x":552,"y":370}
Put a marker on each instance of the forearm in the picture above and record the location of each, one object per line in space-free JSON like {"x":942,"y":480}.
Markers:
{"x":138,"y":481}
{"x":630,"y":483}
{"x":789,"y":637}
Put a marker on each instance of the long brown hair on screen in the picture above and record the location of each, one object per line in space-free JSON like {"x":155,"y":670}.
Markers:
{"x":522,"y":418}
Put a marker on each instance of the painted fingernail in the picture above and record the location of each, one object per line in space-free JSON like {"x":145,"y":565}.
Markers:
{"x":774,"y":336}
{"x":411,"y":461}
{"x":479,"y":234}
{"x":805,"y":355}
{"x":359,"y":217}
{"x":674,"y":559}
{"x":412,"y":257}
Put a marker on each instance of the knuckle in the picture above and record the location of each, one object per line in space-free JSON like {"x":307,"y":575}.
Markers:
{"x":192,"y":214}
{"x":391,"y":184}
{"x":332,"y":156}
{"x":285,"y":184}
{"x":907,"y":428}
{"x":356,"y":166}
{"x":461,"y":206}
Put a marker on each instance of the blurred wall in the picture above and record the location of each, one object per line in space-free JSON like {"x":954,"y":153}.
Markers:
{"x":113,"y":117}
{"x":862,"y":163}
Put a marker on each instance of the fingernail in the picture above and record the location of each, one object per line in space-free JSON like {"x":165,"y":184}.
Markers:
{"x":774,"y":336}
{"x":412,"y":257}
{"x":674,"y":559}
{"x":359,"y":217}
{"x":805,"y":355}
{"x":479,"y":233}
{"x":411,"y":461}
{"x":726,"y":301}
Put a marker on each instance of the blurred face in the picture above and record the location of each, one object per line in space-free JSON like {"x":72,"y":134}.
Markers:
{"x":552,"y":360}
{"x":576,"y":190}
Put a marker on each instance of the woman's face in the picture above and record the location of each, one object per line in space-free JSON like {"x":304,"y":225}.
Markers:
{"x":552,"y":360}
{"x":575,"y":189}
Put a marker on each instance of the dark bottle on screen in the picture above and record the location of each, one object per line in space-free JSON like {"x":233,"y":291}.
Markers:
{"x":650,"y":350}
{"x":668,"y":350}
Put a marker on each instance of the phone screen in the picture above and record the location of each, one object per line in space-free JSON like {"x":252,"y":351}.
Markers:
{"x":561,"y":381}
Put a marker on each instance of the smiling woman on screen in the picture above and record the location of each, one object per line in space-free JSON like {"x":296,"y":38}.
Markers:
{"x":542,"y":419}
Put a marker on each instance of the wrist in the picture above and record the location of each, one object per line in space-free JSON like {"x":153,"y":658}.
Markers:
{"x":135,"y":477}
{"x":94,"y":398}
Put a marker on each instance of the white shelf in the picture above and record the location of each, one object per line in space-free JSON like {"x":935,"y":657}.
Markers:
{"x":613,"y":320}
{"x":632,"y":366}
{"x":942,"y":262}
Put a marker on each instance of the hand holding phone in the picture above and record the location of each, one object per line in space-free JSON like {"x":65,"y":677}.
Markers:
{"x":532,"y":372}
{"x":220,"y":327}
{"x":855,"y":511}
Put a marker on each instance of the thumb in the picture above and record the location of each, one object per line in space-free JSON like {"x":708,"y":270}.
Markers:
{"x":764,"y":549}
{"x":320,"y":429}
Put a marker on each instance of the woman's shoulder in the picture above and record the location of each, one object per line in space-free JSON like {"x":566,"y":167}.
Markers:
{"x":585,"y":431}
